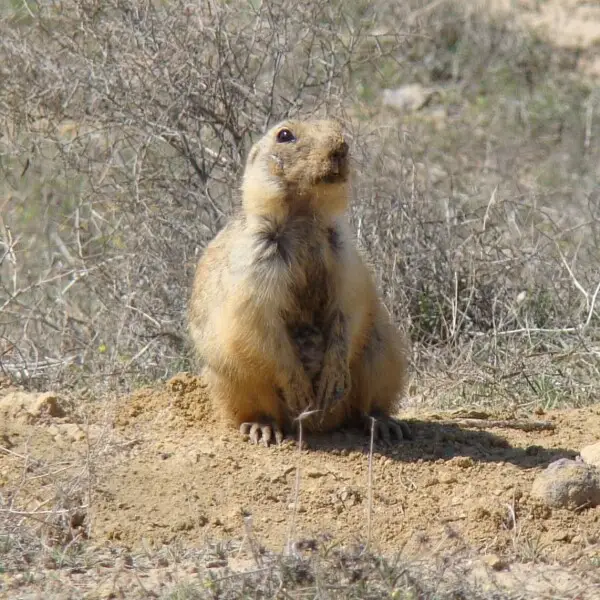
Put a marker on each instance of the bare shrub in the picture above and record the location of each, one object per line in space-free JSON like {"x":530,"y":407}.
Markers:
{"x":125,"y":126}
{"x":131,"y":121}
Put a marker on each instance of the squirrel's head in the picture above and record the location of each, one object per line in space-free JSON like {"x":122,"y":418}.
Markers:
{"x":298,"y":166}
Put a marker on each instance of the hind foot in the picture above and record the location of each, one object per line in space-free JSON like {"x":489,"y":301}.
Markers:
{"x":386,"y":430}
{"x":262,"y":432}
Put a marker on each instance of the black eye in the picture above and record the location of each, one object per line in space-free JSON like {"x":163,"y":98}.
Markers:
{"x":285,"y":135}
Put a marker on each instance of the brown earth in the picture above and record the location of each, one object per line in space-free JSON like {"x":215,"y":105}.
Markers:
{"x":159,"y":469}
{"x":573,"y":24}
{"x":187,"y":477}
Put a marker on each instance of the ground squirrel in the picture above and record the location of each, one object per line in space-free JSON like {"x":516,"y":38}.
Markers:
{"x":284,"y":314}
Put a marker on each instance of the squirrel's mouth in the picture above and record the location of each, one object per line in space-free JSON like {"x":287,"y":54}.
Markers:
{"x":338,"y":170}
{"x":333,"y":178}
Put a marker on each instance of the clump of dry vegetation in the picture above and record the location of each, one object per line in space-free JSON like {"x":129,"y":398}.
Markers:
{"x":125,"y":124}
{"x":123,"y":130}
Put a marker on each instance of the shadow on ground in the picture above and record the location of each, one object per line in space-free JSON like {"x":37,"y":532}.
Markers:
{"x":433,"y":441}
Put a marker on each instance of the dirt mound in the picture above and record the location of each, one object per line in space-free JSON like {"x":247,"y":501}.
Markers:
{"x":182,"y":402}
{"x":188,"y":477}
{"x":165,"y":470}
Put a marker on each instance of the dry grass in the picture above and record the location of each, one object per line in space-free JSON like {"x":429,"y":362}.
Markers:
{"x":125,"y":126}
{"x":320,"y":571}
{"x":44,"y":554}
{"x":123,"y":130}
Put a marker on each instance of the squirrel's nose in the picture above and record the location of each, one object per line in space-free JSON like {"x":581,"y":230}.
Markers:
{"x":338,"y":157}
{"x":341,"y":151}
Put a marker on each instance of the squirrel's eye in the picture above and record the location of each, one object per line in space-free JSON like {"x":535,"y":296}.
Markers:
{"x":285,"y":135}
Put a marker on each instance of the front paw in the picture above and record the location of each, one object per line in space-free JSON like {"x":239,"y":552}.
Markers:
{"x":334,"y":385}
{"x":262,"y":432}
{"x":300,"y":395}
{"x":386,"y":430}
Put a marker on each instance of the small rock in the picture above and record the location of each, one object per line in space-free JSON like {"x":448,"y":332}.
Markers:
{"x":447,"y":478}
{"x":314,"y":474}
{"x":567,"y":483}
{"x":464,"y":462}
{"x":407,"y":98}
{"x":562,"y":536}
{"x":495,"y":562}
{"x":591,"y":454}
{"x":47,"y":404}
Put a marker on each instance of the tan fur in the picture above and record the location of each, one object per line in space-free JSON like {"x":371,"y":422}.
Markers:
{"x":284,"y":313}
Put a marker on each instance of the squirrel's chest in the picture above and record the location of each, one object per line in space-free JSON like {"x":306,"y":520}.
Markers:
{"x":312,"y":292}
{"x":315,"y":271}
{"x":304,"y":255}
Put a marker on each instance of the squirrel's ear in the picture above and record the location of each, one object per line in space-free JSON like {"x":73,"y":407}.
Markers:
{"x":252,"y":154}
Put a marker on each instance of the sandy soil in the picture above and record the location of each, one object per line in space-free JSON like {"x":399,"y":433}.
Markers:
{"x":185,"y":476}
{"x":161,"y":470}
{"x":572,"y":24}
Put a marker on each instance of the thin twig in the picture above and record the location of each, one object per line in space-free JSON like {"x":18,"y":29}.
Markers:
{"x":502,"y":424}
{"x":370,"y":487}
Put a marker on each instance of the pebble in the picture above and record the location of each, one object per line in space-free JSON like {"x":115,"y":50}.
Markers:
{"x":447,"y":478}
{"x":407,"y":98}
{"x":569,"y":484}
{"x":495,"y":562}
{"x":591,"y":454}
{"x":464,"y":462}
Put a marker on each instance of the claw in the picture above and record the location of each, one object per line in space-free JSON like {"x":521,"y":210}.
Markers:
{"x":254,"y":432}
{"x":387,"y":429}
{"x":382,"y":432}
{"x":262,"y":433}
{"x":278,"y":436}
{"x":401,"y":430}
